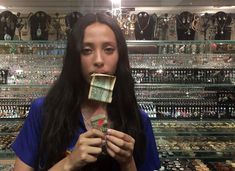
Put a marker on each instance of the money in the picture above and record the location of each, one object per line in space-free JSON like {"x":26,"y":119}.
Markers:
{"x":101,"y":87}
{"x":99,"y":122}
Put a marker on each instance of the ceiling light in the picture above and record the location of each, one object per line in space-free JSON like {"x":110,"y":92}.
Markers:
{"x":2,"y":7}
{"x":116,"y":1}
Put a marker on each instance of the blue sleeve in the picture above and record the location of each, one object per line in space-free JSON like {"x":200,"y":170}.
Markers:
{"x":152,"y":161}
{"x":26,"y":144}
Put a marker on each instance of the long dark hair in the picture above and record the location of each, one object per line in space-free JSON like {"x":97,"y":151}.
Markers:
{"x":62,"y":103}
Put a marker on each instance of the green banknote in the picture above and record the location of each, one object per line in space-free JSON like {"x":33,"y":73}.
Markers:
{"x":101,"y":88}
{"x":99,"y":122}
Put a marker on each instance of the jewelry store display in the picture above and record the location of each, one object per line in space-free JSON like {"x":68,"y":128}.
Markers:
{"x":3,"y":76}
{"x":184,"y":26}
{"x":144,"y":26}
{"x":183,"y":68}
{"x":222,"y":22}
{"x":205,"y":25}
{"x":155,"y":30}
{"x":71,"y":19}
{"x":126,"y":21}
{"x":139,"y":22}
{"x":25,"y":30}
{"x":39,"y":25}
{"x":19,"y":26}
{"x":57,"y":27}
{"x":7,"y":25}
{"x":133,"y":19}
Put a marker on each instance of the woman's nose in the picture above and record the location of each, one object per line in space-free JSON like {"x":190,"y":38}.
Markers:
{"x":98,"y":59}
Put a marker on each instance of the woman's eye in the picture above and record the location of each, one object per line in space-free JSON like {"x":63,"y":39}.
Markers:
{"x":86,"y":51}
{"x":109,"y":50}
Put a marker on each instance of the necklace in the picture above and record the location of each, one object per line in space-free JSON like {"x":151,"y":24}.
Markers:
{"x":147,"y":24}
{"x":184,"y":24}
{"x":221,"y":25}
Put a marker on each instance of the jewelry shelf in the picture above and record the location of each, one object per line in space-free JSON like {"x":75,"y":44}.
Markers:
{"x":189,"y":104}
{"x":201,"y":128}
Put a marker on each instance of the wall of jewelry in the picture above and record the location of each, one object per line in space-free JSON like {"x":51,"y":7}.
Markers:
{"x":181,"y":26}
{"x":27,"y":69}
{"x":187,"y":87}
{"x":185,"y":83}
{"x":141,"y":25}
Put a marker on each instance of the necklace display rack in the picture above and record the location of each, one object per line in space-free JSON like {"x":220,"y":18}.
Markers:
{"x":206,"y":19}
{"x":184,"y":26}
{"x":56,"y":25}
{"x":222,"y":21}
{"x":144,"y":26}
{"x":7,"y":25}
{"x":155,"y":27}
{"x":71,"y":19}
{"x":166,"y":27}
{"x":39,"y":25}
{"x":19,"y":26}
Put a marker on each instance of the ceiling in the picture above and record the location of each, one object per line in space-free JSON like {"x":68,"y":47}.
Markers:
{"x":64,"y":6}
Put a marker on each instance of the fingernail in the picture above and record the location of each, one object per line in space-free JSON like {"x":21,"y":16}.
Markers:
{"x":107,"y":136}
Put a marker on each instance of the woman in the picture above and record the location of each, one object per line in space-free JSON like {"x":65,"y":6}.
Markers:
{"x":60,"y":122}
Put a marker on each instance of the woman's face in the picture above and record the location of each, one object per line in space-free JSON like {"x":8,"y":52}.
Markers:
{"x":99,"y":52}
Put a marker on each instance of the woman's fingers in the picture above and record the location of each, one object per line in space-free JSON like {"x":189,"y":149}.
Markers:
{"x":90,"y":141}
{"x":120,"y":142}
{"x":117,"y":150}
{"x":120,"y":145}
{"x":93,"y":133}
{"x":87,"y":148}
{"x":91,"y":150}
{"x":121,"y":139}
{"x":115,"y":156}
{"x":120,"y":135}
{"x":92,"y":137}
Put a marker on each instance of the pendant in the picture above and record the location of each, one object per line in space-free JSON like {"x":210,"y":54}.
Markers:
{"x":189,"y":32}
{"x":141,"y":32}
{"x":7,"y":37}
{"x":39,"y":32}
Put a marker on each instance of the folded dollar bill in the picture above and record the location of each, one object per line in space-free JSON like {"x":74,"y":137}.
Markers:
{"x":101,"y":87}
{"x":99,"y":122}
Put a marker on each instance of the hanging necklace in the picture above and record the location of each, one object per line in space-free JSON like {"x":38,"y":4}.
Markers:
{"x":39,"y":31}
{"x":185,"y":22}
{"x":222,"y":25}
{"x":147,"y":24}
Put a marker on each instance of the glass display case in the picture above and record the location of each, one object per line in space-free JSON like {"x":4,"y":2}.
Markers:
{"x":186,"y":87}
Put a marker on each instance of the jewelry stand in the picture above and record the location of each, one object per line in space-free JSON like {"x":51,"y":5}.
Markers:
{"x":71,"y":19}
{"x":39,"y":25}
{"x":222,"y":21}
{"x":7,"y":25}
{"x":184,"y":26}
{"x":206,"y":19}
{"x":144,"y":26}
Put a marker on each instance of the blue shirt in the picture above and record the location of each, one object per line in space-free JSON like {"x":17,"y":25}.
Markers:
{"x":26,"y":145}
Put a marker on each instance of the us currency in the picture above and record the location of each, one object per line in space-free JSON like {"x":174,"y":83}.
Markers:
{"x":104,"y":81}
{"x":99,"y":122}
{"x":101,"y":88}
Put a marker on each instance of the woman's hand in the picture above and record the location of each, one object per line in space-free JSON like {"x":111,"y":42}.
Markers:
{"x":87,"y":148}
{"x":120,"y":146}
